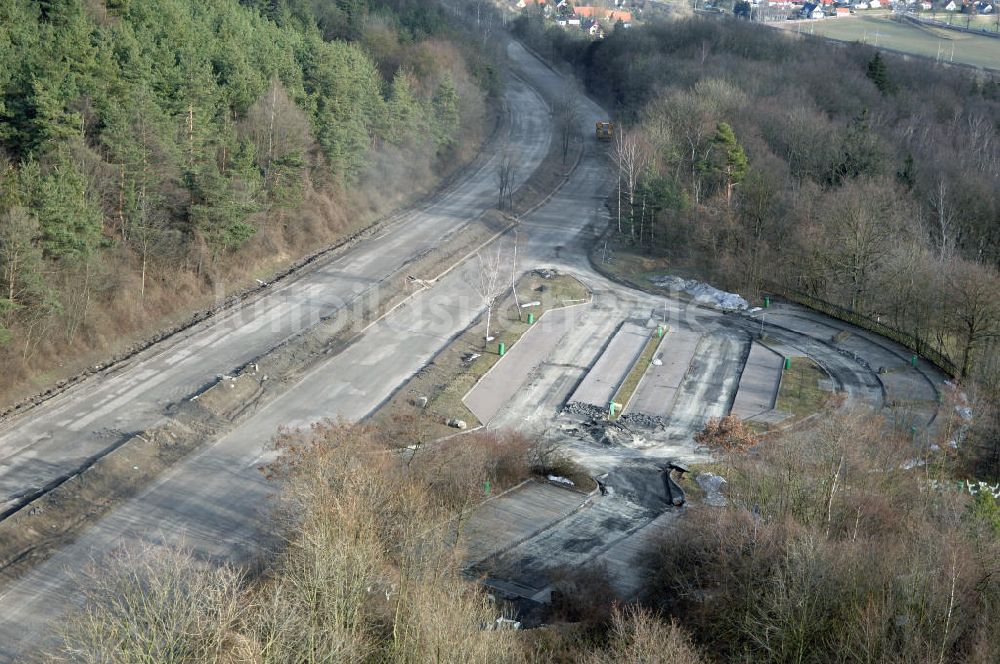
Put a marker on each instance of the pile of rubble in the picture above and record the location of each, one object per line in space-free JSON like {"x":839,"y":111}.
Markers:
{"x":588,"y":410}
{"x":702,"y":293}
{"x":598,"y":416}
{"x":610,"y":433}
{"x":644,"y":421}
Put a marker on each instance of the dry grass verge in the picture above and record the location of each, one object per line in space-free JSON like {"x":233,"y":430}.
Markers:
{"x":638,"y":370}
{"x":799,"y":392}
{"x":454,"y":371}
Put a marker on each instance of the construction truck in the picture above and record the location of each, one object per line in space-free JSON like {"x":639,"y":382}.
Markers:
{"x":605,"y":130}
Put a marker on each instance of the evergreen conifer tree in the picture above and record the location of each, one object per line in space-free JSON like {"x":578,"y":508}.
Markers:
{"x":878,"y":73}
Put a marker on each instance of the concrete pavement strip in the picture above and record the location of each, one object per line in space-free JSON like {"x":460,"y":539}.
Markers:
{"x":759,"y":382}
{"x":606,"y":375}
{"x":655,"y":393}
{"x":507,"y":376}
{"x":517,"y":515}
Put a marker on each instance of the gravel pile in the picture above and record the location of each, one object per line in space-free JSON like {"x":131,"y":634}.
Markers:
{"x":588,"y":410}
{"x":644,"y":421}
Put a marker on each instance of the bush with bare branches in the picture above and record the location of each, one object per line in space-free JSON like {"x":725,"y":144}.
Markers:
{"x":833,"y":547}
{"x":729,"y":434}
{"x":638,"y":635}
{"x":146,"y":604}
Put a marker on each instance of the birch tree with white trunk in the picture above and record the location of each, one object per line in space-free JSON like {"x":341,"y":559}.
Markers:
{"x":490,"y":285}
{"x":631,"y":157}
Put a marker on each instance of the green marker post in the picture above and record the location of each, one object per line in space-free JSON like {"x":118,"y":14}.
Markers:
{"x":486,"y":488}
{"x":659,"y":331}
{"x":788,"y":363}
{"x":502,"y":349}
{"x":531,"y":318}
{"x":767,"y":302}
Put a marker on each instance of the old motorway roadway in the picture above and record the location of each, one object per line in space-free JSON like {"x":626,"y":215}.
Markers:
{"x":212,"y":501}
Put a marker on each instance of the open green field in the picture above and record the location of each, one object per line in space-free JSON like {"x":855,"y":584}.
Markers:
{"x":984,"y":22}
{"x":948,"y":45}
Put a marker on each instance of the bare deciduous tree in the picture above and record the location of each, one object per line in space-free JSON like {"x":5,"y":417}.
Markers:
{"x":18,"y":228}
{"x":863,"y":222}
{"x":152,"y":604}
{"x":631,"y":156}
{"x":489,"y":284}
{"x":975,"y":308}
{"x":638,"y":635}
{"x":567,"y":120}
{"x":945,"y":217}
{"x":506,"y":172}
{"x":279,"y":130}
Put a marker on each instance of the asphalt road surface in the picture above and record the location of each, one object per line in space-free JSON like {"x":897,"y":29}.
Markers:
{"x":55,"y":438}
{"x":213,"y":501}
{"x":609,"y":371}
{"x":759,"y":382}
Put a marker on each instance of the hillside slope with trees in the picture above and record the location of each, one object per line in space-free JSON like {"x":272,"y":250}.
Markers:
{"x":155,"y":153}
{"x":856,"y":182}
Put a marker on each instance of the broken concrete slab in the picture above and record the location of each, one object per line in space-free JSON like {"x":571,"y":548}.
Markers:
{"x":508,"y":519}
{"x":713,"y":485}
